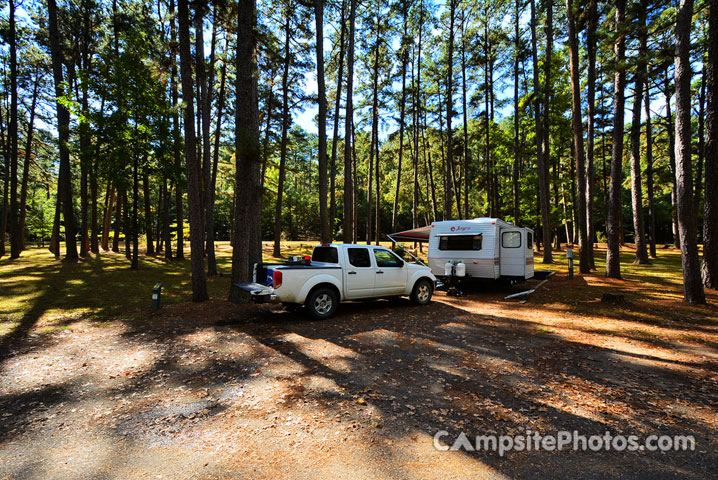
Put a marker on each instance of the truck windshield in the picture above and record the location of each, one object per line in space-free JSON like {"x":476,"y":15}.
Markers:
{"x":325,"y":254}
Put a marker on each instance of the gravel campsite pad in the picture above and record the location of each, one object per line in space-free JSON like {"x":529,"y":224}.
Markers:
{"x":242,"y":391}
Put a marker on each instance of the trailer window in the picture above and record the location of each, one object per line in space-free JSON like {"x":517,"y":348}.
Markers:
{"x":511,"y":239}
{"x":460,"y":242}
{"x":529,"y":240}
{"x":325,"y":254}
{"x":359,"y":257}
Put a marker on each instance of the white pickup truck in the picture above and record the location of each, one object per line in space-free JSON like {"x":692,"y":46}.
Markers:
{"x":338,"y":272}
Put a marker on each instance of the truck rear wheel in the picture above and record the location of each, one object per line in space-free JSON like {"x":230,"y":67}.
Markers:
{"x":421,"y":295}
{"x":322,"y":303}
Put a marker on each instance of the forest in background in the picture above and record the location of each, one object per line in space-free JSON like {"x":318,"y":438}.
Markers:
{"x":127,"y":125}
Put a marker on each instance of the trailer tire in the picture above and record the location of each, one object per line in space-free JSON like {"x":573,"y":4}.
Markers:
{"x":423,"y":289}
{"x":322,"y":302}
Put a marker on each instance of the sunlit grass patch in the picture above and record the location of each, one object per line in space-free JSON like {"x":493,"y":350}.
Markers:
{"x":545,"y":330}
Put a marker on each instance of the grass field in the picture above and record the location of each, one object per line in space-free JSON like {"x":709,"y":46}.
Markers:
{"x":41,"y":294}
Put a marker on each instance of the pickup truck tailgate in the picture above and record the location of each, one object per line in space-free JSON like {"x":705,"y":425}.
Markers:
{"x":260,"y":293}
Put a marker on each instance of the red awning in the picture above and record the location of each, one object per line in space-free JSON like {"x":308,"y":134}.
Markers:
{"x":420,"y":234}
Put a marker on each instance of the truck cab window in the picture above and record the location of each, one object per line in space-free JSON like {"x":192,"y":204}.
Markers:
{"x":511,"y":239}
{"x":385,"y":258}
{"x":460,"y":242}
{"x":359,"y":257}
{"x":325,"y":254}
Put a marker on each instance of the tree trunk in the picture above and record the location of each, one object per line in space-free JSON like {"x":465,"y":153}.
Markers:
{"x":283,"y":145}
{"x":444,"y":169}
{"x":517,"y":55}
{"x":118,"y":221}
{"x":591,"y":46}
{"x":107,"y":219}
{"x":94,"y":235}
{"x":211,"y":259}
{"x":348,"y":223}
{"x":576,"y":120}
{"x":374,"y":143}
{"x":404,"y":60}
{"x":541,"y":158}
{"x":63,"y":124}
{"x":135,"y":207}
{"x":370,"y":184}
{"x":126,"y":227}
{"x":636,"y":181}
{"x":335,"y":136}
{"x":177,"y":137}
{"x":159,"y":225}
{"x":325,"y":231}
{"x":91,"y":160}
{"x":377,"y":212}
{"x":613,"y":227}
{"x":417,"y":123}
{"x":355,"y":194}
{"x":207,"y":163}
{"x":26,"y":166}
{"x":55,"y":235}
{"x":14,"y":220}
{"x":700,"y":157}
{"x":449,"y":113}
{"x":547,"y":90}
{"x":6,"y":187}
{"x":193,"y":167}
{"x":247,"y":239}
{"x":166,"y":221}
{"x":649,"y":173}
{"x":429,"y":168}
{"x":670,"y":129}
{"x":692,"y":284}
{"x":148,"y":213}
{"x":710,"y":202}
{"x":267,"y":132}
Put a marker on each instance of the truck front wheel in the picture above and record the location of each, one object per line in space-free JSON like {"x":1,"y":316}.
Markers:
{"x":322,"y":303}
{"x":421,"y":295}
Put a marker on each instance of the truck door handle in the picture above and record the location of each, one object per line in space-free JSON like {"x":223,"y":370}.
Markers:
{"x":378,"y":272}
{"x":352,"y":273}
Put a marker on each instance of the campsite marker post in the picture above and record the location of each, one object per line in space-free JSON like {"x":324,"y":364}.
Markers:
{"x":569,"y":256}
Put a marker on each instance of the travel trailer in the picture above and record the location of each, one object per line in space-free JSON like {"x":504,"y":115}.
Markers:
{"x":482,"y":248}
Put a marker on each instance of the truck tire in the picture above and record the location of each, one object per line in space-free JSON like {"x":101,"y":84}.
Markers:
{"x":421,"y":294}
{"x":322,"y":303}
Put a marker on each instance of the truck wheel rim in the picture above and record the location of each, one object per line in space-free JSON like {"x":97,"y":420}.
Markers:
{"x":323,"y":304}
{"x":423,"y":293}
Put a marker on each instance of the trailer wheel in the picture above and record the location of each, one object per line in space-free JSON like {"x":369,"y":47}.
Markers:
{"x":322,"y":303}
{"x":421,"y":295}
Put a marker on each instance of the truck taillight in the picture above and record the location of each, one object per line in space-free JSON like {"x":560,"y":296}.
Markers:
{"x":277,"y":279}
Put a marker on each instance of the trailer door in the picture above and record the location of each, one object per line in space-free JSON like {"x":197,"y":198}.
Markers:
{"x":512,"y":252}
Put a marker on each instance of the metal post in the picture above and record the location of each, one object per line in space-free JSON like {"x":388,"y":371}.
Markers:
{"x":156,"y":296}
{"x":569,"y":256}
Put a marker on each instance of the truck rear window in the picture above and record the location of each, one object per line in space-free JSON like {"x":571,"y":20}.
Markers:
{"x":325,"y":254}
{"x":460,"y":242}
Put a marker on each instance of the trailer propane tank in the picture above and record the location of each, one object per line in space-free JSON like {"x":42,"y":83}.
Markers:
{"x":448,"y":267}
{"x":460,"y":269}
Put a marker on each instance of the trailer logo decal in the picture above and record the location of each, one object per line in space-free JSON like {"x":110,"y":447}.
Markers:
{"x":460,"y":229}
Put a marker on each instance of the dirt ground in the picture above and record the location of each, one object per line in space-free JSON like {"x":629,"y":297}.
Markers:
{"x":243,"y":391}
